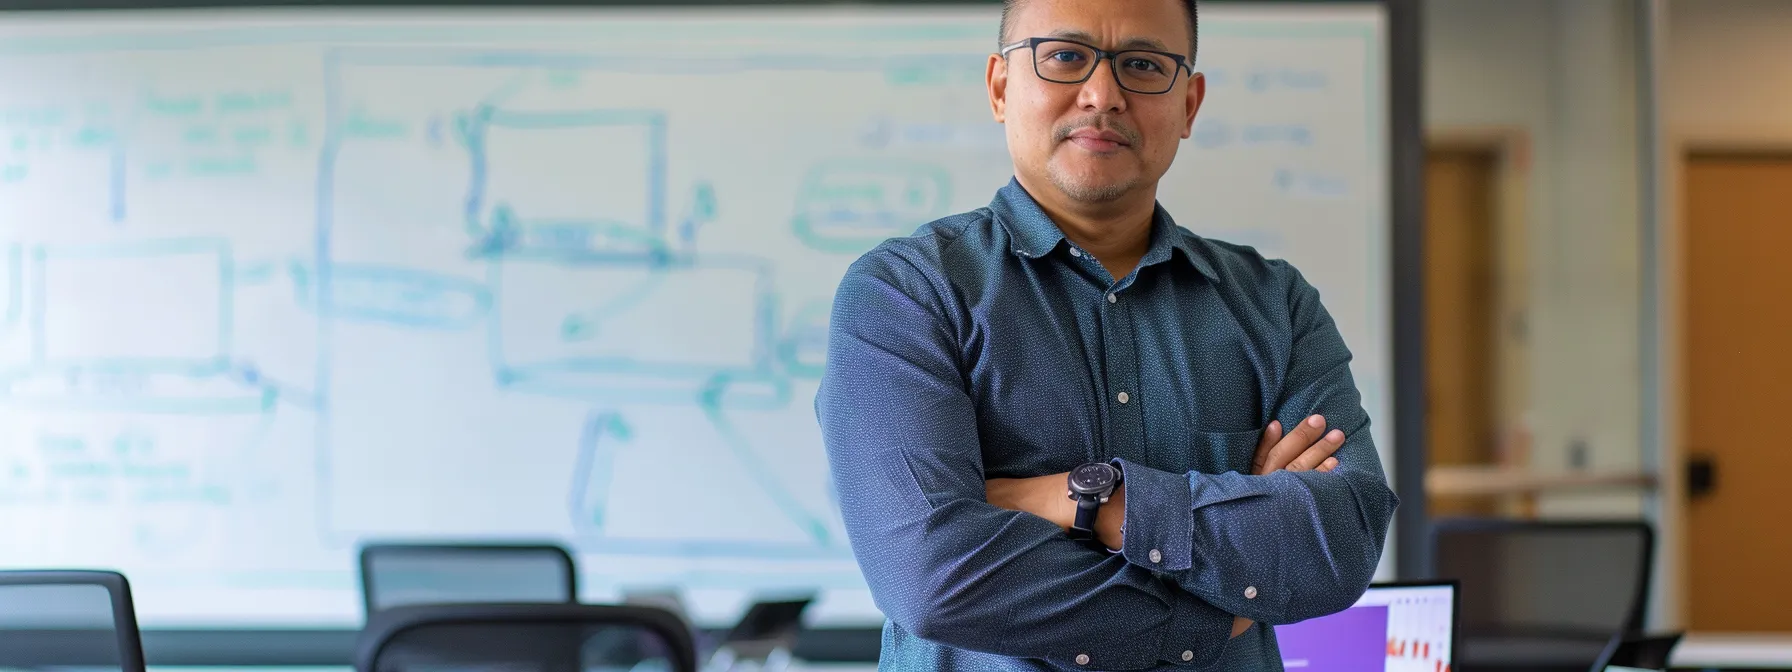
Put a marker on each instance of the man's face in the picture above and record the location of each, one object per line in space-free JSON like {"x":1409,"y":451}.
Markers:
{"x":1095,"y":141}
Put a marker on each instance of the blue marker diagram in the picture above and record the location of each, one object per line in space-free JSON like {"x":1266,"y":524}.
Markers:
{"x":13,"y":274}
{"x":519,"y":264}
{"x":136,"y":418}
{"x":618,"y":211}
{"x":850,"y":205}
{"x":133,"y":356}
{"x":606,"y":288}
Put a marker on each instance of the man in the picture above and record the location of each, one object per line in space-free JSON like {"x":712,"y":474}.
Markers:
{"x":1071,"y":339}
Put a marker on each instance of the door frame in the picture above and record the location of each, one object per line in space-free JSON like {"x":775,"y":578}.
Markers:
{"x":1511,"y":148}
{"x":1670,"y":609}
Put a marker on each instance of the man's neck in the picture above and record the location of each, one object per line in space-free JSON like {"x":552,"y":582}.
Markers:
{"x":1117,"y":232}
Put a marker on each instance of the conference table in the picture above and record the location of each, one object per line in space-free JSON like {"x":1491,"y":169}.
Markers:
{"x":1702,"y":652}
{"x":1732,"y":651}
{"x":1714,"y":652}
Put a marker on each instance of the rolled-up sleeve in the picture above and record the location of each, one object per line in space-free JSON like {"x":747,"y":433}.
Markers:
{"x":902,"y":441}
{"x":1287,"y":546}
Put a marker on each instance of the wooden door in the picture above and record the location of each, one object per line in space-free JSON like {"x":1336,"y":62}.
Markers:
{"x":1737,"y":228}
{"x":1460,"y":307}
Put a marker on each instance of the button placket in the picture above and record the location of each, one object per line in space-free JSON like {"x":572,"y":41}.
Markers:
{"x":1127,"y":435}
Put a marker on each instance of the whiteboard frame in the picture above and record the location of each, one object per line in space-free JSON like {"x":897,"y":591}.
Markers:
{"x":1406,"y":152}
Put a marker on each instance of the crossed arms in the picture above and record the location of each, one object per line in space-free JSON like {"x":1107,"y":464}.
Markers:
{"x":1201,"y":554}
{"x":1307,"y":448}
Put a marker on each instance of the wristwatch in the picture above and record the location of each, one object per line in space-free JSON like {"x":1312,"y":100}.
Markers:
{"x":1091,"y":485}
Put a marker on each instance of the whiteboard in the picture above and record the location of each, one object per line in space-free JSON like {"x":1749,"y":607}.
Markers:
{"x":277,"y":282}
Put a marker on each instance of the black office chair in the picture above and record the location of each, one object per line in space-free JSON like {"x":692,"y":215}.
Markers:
{"x":64,"y":619}
{"x":765,"y":638}
{"x":1545,"y":596}
{"x":529,"y":637}
{"x":396,"y":574}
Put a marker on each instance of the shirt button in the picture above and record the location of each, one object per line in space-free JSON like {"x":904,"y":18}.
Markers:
{"x":1082,"y":659}
{"x":1123,"y":397}
{"x":1188,"y":656}
{"x":1156,"y":555}
{"x":1250,"y":592}
{"x":1112,"y":298}
{"x":1076,"y":252}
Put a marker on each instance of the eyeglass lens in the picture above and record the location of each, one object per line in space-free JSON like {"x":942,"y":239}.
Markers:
{"x":1069,"y":63}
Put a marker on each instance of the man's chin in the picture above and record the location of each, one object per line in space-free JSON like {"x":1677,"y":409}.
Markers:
{"x":1094,"y":190}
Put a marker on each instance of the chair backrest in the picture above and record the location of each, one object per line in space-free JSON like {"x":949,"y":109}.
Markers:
{"x":73,"y":618}
{"x":535,"y":637}
{"x":397,"y":574}
{"x":1545,"y":594}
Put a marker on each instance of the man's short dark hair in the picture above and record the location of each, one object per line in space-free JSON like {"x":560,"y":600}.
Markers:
{"x":1194,"y":25}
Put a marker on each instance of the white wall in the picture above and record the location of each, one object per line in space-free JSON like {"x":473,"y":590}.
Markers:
{"x":1726,"y":77}
{"x":1728,"y":70}
{"x":1562,"y":73}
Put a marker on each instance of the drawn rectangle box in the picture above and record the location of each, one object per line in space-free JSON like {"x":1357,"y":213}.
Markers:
{"x":163,"y":301}
{"x":630,"y":328}
{"x":12,"y":290}
{"x":608,"y":185}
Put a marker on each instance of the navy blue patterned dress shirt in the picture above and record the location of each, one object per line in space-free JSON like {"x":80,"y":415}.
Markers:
{"x":986,"y":345}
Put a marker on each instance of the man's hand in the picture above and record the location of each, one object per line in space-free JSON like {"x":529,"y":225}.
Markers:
{"x":1303,"y":449}
{"x":1308,"y":448}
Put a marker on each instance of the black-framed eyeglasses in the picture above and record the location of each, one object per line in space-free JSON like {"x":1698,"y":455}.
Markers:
{"x":1056,"y":59}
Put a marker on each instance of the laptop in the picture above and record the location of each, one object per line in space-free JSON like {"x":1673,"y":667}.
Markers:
{"x":1393,"y":627}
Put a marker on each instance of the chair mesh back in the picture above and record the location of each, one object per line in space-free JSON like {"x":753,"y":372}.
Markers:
{"x":401,"y":575}
{"x":56,"y":625}
{"x":1538,"y":595}
{"x":544,"y":646}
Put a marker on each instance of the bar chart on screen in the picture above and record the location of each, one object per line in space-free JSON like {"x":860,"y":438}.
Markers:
{"x":1392,"y":628}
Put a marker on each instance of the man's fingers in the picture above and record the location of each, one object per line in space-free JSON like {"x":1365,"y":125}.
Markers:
{"x":1271,"y":435}
{"x":1329,"y":464}
{"x":1297,"y":440}
{"x":1316,"y":455}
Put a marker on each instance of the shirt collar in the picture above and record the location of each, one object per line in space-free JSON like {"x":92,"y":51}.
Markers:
{"x":1034,"y":234}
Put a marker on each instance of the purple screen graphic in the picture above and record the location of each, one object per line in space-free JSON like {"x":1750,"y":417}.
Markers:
{"x":1353,"y":640}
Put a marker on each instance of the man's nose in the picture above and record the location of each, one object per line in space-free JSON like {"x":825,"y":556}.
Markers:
{"x":1101,"y":92}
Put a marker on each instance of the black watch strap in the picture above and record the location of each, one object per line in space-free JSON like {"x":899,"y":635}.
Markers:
{"x":1083,"y":528}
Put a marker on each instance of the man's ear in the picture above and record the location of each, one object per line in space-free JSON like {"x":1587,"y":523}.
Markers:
{"x":995,"y":75}
{"x":1197,"y":91}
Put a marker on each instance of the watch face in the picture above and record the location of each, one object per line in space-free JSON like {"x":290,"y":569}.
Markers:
{"x":1092,"y":477}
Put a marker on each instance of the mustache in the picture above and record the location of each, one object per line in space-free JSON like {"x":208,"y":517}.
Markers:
{"x":1098,"y":122}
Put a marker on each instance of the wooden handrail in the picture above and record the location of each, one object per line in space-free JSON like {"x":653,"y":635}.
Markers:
{"x":1498,"y":480}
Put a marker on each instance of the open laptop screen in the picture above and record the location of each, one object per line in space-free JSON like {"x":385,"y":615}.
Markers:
{"x":1392,"y":628}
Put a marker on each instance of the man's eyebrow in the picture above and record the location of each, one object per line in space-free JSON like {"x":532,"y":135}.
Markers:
{"x":1128,"y":43}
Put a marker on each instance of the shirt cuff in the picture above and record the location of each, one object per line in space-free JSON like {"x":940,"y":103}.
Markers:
{"x":1198,"y":635}
{"x":1158,"y":531}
